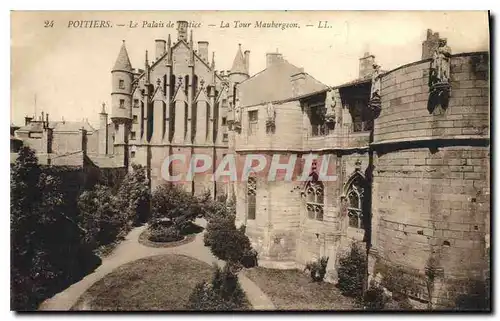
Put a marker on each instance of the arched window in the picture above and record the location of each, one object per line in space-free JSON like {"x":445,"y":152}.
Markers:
{"x":314,"y":193}
{"x":251,"y":197}
{"x":355,"y":200}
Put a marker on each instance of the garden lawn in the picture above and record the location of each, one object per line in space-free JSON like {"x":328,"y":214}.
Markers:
{"x":155,"y":283}
{"x":294,"y":290}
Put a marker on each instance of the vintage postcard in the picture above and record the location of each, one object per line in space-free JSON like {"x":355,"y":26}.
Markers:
{"x":246,"y":161}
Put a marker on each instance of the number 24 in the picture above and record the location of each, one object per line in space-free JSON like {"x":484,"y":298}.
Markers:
{"x":48,"y":23}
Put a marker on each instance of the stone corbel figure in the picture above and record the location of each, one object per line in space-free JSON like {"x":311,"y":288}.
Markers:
{"x":330,"y":115}
{"x":237,"y":115}
{"x":375,"y":104}
{"x":271,"y":118}
{"x":439,"y":77}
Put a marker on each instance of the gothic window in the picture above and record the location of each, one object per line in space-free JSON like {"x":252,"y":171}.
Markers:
{"x":224,"y":137}
{"x":355,"y":201}
{"x":121,"y":84}
{"x":136,"y":103}
{"x":132,"y":135}
{"x":134,"y":119}
{"x":317,"y":119}
{"x":122,"y":103}
{"x":224,"y":121}
{"x":314,"y":193}
{"x":251,"y":197}
{"x":252,"y":121}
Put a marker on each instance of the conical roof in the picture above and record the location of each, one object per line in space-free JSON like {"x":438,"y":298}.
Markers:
{"x":239,"y":65}
{"x":123,"y":62}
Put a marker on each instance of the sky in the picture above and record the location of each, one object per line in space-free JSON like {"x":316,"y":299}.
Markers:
{"x":68,"y":69}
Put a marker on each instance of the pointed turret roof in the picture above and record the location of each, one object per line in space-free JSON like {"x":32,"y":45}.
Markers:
{"x":123,"y":61}
{"x":239,"y":65}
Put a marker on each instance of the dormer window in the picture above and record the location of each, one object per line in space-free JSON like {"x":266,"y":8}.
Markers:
{"x":121,"y":84}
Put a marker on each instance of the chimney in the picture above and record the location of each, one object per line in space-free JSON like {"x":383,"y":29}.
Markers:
{"x":298,"y":81}
{"x":103,"y":131}
{"x":273,"y":58}
{"x":366,"y":65}
{"x":182,"y":27}
{"x":247,"y":61}
{"x":203,"y":50}
{"x":160,"y":48}
{"x":430,"y":44}
{"x":27,"y":120}
{"x":84,"y":141}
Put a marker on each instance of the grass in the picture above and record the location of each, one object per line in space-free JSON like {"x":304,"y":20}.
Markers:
{"x":294,"y":290}
{"x":155,"y":283}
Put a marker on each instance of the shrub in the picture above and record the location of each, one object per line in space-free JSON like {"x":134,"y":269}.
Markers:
{"x":229,"y":244}
{"x":164,"y":234}
{"x":223,"y":293}
{"x":317,"y":269}
{"x":351,"y":273}
{"x":374,"y":298}
{"x":172,"y":202}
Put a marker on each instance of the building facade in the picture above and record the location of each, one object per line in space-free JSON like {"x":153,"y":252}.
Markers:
{"x":410,"y":150}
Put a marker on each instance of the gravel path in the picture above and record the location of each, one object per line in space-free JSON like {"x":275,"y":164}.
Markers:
{"x":130,"y":250}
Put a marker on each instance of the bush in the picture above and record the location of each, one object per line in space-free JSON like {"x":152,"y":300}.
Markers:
{"x":351,"y":273}
{"x":172,"y":202}
{"x":223,"y":293}
{"x":374,"y":298}
{"x":162,"y":233}
{"x":317,"y":269}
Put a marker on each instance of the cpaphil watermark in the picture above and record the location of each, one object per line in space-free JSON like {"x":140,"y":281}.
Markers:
{"x":230,"y":167}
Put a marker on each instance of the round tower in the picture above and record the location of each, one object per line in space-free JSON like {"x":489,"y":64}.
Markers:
{"x":121,"y":95}
{"x":239,"y":70}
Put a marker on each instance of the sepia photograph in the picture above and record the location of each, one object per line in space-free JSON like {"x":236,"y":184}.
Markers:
{"x":250,"y":161}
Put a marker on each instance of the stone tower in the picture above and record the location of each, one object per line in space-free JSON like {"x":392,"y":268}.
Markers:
{"x":103,"y":131}
{"x":121,"y":101}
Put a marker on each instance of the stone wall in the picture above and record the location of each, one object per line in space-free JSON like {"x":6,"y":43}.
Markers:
{"x":430,"y":186}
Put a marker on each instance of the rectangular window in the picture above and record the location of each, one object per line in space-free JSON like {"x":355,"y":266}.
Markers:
{"x":224,"y":137}
{"x":121,"y":84}
{"x":224,"y":121}
{"x":136,"y":103}
{"x":253,"y":117}
{"x":134,"y":119}
{"x":132,"y":135}
{"x":132,"y":154}
{"x":317,"y":118}
{"x":122,"y":103}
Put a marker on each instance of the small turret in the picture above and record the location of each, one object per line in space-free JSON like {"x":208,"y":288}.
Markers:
{"x":122,"y":76}
{"x":239,"y":70}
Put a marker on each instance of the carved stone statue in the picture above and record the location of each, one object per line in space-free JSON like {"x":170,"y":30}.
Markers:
{"x":271,"y":117}
{"x":237,"y":114}
{"x":441,"y":62}
{"x":439,"y":77}
{"x":330,"y":115}
{"x":271,"y":113}
{"x":375,"y":103}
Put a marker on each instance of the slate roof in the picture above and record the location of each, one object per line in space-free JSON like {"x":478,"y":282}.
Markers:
{"x":239,"y":65}
{"x":123,"y":61}
{"x":273,"y":84}
{"x":59,"y":126}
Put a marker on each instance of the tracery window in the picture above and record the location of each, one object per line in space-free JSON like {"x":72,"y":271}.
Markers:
{"x":251,"y":197}
{"x":314,"y":193}
{"x":355,"y":198}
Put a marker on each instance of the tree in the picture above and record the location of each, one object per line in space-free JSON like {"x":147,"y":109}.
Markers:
{"x":102,"y":220}
{"x":45,"y":242}
{"x":134,"y":195}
